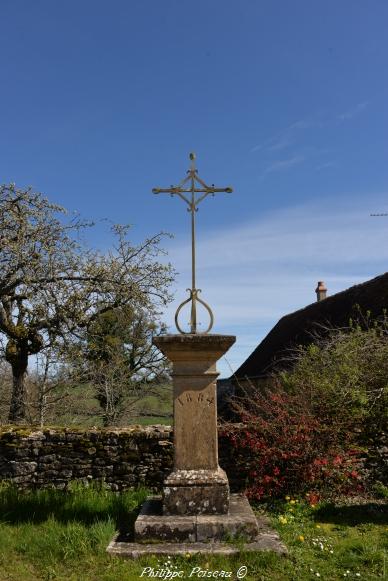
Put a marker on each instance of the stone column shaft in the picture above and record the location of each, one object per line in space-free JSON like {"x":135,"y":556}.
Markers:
{"x":197,"y":484}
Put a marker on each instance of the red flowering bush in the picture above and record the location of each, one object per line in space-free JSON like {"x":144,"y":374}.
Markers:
{"x":304,"y":428}
{"x":283,"y":447}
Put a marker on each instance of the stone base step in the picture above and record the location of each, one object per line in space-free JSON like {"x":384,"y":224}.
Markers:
{"x":239,"y":523}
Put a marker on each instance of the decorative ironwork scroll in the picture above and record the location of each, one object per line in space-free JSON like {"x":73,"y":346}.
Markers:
{"x":198,"y":190}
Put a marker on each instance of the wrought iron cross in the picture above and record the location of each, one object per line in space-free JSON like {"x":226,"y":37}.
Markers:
{"x":192,"y":184}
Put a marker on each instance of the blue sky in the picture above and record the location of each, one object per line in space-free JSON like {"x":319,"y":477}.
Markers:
{"x":284,"y":101}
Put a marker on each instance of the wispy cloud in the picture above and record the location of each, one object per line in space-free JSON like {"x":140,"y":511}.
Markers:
{"x":353,"y":112}
{"x":286,"y":141}
{"x":282,"y":143}
{"x":290,"y":139}
{"x":253,"y":274}
{"x":286,"y":137}
{"x":282,"y":164}
{"x":326,"y":165}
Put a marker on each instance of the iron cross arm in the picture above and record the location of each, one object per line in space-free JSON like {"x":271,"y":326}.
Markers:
{"x":177,"y":191}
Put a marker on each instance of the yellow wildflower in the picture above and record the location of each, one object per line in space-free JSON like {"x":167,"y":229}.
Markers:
{"x":301,"y":538}
{"x":292,"y":501}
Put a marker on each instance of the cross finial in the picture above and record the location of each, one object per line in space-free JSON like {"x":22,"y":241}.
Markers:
{"x":193,"y":185}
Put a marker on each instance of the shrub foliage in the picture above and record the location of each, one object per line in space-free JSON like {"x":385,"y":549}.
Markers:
{"x":307,"y":429}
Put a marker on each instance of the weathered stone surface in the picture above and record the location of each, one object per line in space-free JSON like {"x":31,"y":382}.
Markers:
{"x":197,"y":485}
{"x":122,"y":458}
{"x":150,"y":525}
{"x":194,"y":374}
{"x":137,"y":550}
{"x":209,"y":531}
{"x":150,"y":468}
{"x":22,"y":468}
{"x":240,"y":523}
{"x":196,"y":492}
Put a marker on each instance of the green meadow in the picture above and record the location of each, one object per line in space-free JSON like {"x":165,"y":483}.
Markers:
{"x":50,"y":534}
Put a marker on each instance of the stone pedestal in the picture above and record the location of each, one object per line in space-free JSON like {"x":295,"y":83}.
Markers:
{"x":197,"y":484}
{"x":196,"y":512}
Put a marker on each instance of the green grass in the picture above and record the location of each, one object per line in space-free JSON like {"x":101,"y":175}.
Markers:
{"x":48,"y":534}
{"x":81,"y":409}
{"x":151,"y":420}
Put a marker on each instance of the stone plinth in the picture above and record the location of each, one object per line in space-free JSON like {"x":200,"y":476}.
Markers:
{"x":196,"y":492}
{"x":197,"y":484}
{"x":153,"y":526}
{"x":157,"y":534}
{"x":196,"y":512}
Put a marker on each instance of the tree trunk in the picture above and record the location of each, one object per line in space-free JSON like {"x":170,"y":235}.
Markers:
{"x":18,"y":408}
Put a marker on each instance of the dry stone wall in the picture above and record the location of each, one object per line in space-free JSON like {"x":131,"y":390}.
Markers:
{"x":122,"y":458}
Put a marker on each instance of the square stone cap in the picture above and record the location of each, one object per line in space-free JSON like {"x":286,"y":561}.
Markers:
{"x":194,"y":346}
{"x":195,"y":341}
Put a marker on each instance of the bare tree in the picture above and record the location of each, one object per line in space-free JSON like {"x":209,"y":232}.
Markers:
{"x":118,"y":359}
{"x":49,"y":384}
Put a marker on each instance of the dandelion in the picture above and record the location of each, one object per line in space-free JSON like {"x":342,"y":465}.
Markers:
{"x":283,"y":520}
{"x":188,"y":555}
{"x":292,"y":501}
{"x":301,"y":538}
{"x":287,"y":498}
{"x":317,"y":526}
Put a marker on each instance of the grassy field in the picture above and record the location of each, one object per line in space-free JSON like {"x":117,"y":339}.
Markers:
{"x":47,"y":535}
{"x":81,"y":409}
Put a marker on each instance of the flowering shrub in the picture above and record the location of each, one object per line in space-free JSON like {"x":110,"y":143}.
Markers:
{"x":282,"y":447}
{"x":306,"y":427}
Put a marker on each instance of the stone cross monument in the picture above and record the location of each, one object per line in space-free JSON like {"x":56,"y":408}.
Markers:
{"x":196,"y":510}
{"x":197,"y":484}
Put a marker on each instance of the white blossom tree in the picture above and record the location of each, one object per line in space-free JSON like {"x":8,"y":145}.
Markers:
{"x":52,"y":287}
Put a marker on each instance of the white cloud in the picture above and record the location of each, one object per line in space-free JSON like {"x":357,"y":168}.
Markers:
{"x":282,"y":164}
{"x":326,"y":165}
{"x":353,"y":111}
{"x":281,"y":143}
{"x":287,"y":136}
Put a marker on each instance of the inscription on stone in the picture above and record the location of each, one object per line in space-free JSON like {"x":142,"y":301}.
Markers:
{"x":197,"y":398}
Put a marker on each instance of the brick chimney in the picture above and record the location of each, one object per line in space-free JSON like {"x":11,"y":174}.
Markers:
{"x":321,"y":291}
